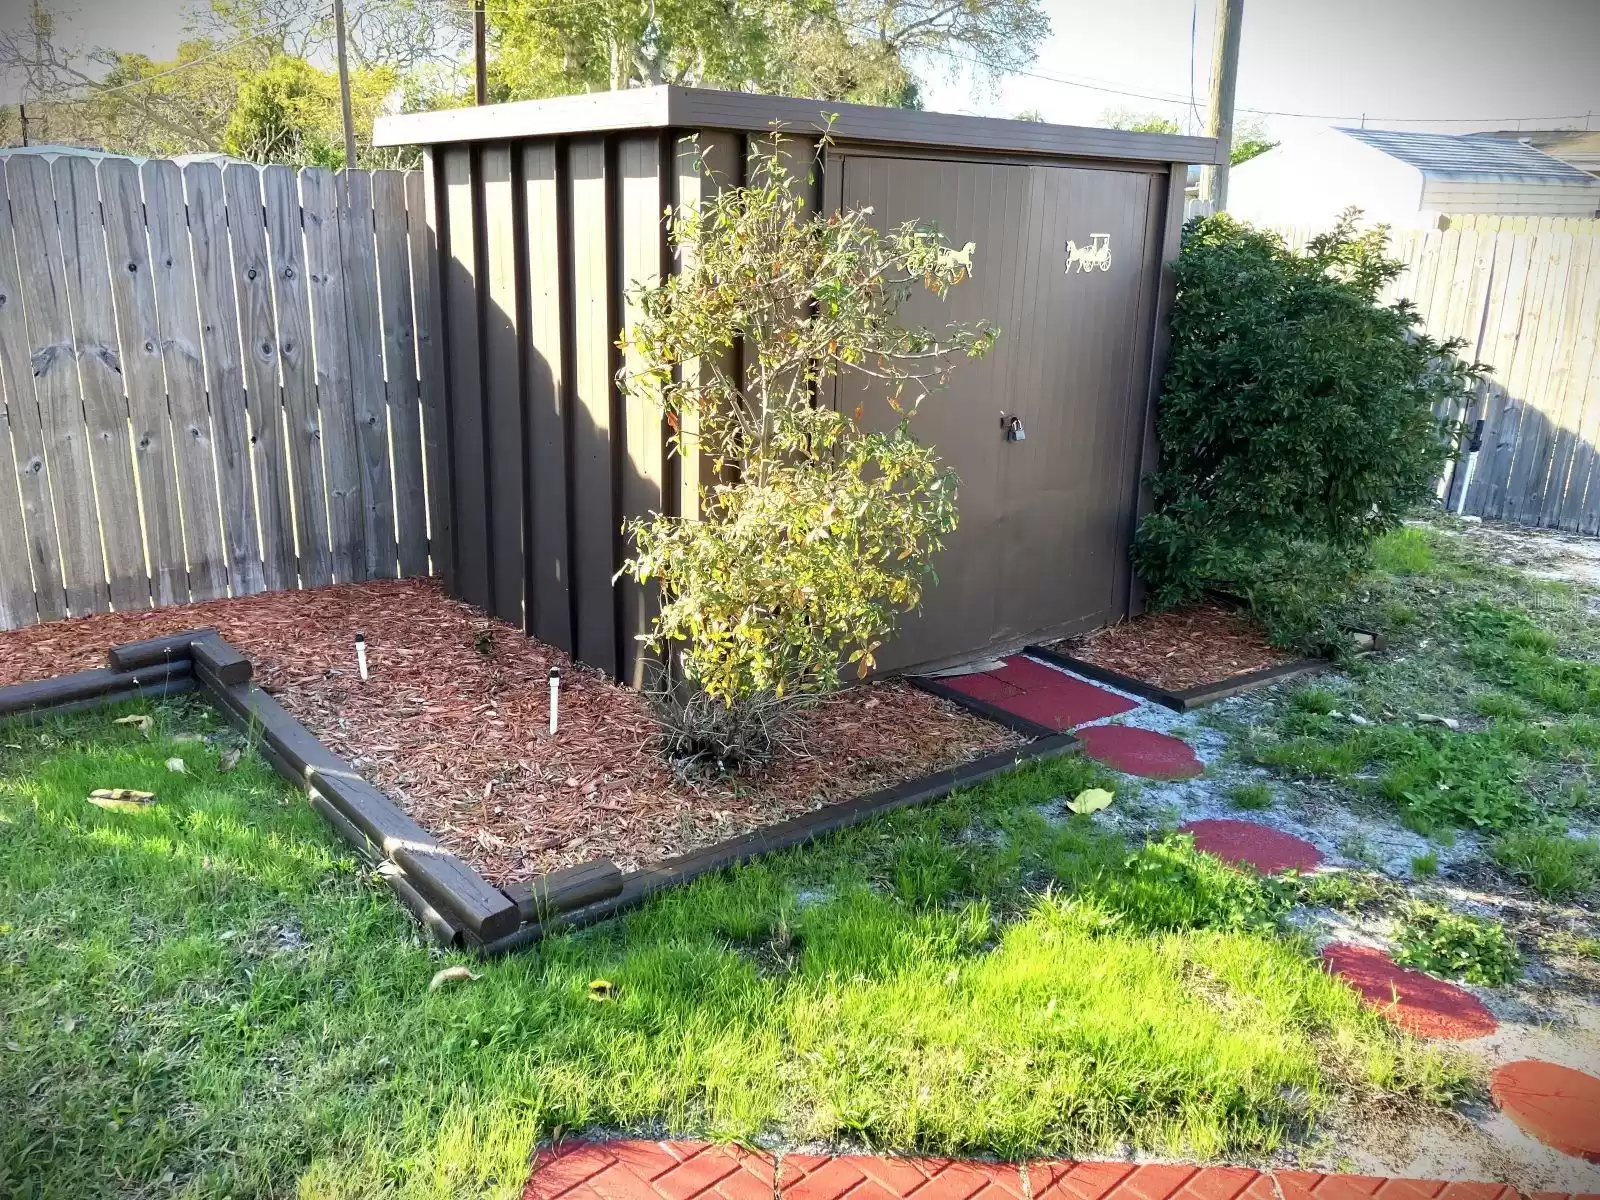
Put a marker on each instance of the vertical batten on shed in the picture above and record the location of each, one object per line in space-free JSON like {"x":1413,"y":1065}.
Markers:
{"x":548,"y":598}
{"x":461,"y":276}
{"x":592,"y":493}
{"x":503,"y":403}
{"x":427,"y":273}
{"x":644,"y":191}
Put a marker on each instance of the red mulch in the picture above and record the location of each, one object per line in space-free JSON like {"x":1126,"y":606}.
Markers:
{"x":459,"y":739}
{"x":1181,"y":648}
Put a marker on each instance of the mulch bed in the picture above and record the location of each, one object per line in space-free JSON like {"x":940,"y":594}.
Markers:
{"x":1181,"y":648}
{"x":458,"y":734}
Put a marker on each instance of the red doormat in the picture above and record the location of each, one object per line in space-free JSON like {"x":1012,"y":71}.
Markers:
{"x":1040,"y":694}
{"x":1416,"y":1002}
{"x":638,"y":1170}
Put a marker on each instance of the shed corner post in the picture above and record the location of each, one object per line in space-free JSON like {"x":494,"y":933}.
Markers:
{"x":1160,"y":355}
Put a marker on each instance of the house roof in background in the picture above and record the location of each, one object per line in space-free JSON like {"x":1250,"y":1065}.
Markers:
{"x":1559,"y":142}
{"x":1470,"y":156}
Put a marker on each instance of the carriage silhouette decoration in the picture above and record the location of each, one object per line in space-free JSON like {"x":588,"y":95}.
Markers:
{"x":1095,"y":256}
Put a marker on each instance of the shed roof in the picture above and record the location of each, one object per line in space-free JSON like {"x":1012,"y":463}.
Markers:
{"x":673,"y":107}
{"x":1470,"y":156}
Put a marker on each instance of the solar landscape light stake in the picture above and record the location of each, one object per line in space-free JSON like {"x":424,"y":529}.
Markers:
{"x":555,"y":699}
{"x":361,"y":656}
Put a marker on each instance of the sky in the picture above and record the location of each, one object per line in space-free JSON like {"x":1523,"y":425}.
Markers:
{"x":1395,"y":60}
{"x":1405,"y":63}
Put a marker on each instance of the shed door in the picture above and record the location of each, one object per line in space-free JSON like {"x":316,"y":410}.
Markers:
{"x":1042,"y":545}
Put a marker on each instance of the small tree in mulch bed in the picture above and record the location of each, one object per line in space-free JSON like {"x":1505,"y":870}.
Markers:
{"x":822,"y":526}
{"x":1298,"y":422}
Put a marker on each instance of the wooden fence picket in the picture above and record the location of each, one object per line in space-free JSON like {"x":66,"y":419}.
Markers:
{"x":56,"y":385}
{"x":144,"y":377}
{"x":210,"y":381}
{"x":397,"y":319}
{"x":258,"y":338}
{"x":308,"y":478}
{"x":319,"y":205}
{"x":178,"y":318}
{"x":30,"y":581}
{"x":358,"y":262}
{"x":219,"y":339}
{"x":105,"y":408}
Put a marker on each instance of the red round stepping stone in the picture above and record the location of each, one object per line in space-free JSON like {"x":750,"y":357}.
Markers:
{"x":1416,"y":1002}
{"x":1245,"y":843}
{"x":1140,"y":752}
{"x":1558,"y":1105}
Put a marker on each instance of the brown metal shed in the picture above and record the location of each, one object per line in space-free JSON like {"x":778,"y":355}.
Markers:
{"x":542,"y":214}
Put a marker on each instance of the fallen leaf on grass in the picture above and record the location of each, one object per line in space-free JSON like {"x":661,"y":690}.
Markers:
{"x":1089,"y":801}
{"x":602,"y":989}
{"x":451,"y":975}
{"x":189,"y":737}
{"x":1449,"y":723}
{"x":121,"y":799}
{"x":176,"y":765}
{"x":139,"y":721}
{"x":229,"y":760}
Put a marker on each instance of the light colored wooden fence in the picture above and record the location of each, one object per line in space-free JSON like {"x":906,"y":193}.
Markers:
{"x":1524,"y":293}
{"x":209,"y":381}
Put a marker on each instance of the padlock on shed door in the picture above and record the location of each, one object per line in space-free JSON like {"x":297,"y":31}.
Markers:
{"x":1014,"y":430}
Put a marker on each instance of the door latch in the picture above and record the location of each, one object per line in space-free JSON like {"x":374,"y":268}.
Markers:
{"x":1013,"y":429}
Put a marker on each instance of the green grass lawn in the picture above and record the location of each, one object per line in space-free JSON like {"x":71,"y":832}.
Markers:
{"x":208,"y":998}
{"x":1513,"y":659}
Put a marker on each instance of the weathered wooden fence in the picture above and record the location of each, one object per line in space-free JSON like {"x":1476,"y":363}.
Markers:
{"x":1524,"y":293}
{"x":209,"y":379}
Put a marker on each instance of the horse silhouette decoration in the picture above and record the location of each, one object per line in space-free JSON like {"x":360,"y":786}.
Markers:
{"x":1095,"y":256}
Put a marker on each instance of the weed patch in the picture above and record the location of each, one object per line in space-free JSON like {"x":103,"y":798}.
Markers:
{"x":1250,"y":796}
{"x":1405,"y":551}
{"x":1554,"y":865}
{"x":1441,"y":942}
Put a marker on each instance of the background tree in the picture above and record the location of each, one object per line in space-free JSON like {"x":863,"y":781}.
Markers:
{"x":250,"y":79}
{"x":822,"y":538}
{"x":290,"y":113}
{"x":1249,"y":139}
{"x":1137,"y":122}
{"x":833,"y":49}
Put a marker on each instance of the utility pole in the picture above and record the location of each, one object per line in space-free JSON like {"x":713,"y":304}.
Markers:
{"x":344,"y":85}
{"x":1219,"y":121}
{"x":480,"y":54}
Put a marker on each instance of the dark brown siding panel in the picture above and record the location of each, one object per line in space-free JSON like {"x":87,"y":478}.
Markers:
{"x":594,"y":522}
{"x":548,"y":596}
{"x":463,"y":276}
{"x":643,"y":459}
{"x":423,"y":191}
{"x":503,"y":382}
{"x":704,"y":167}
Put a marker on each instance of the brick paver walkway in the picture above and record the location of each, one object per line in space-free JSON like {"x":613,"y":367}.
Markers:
{"x":637,"y":1170}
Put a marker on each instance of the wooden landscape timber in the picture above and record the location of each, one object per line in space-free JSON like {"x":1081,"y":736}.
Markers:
{"x":446,"y":895}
